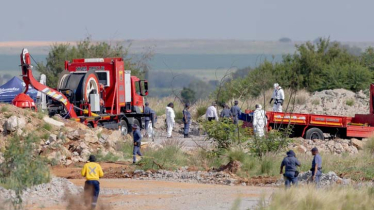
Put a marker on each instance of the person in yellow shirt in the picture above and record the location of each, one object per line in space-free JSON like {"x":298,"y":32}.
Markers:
{"x":92,"y":171}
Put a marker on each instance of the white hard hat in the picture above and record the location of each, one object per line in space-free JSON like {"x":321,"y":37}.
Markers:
{"x":276,"y":85}
{"x":258,"y":106}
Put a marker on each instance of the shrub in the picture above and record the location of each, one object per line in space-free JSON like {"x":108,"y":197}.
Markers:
{"x":169,"y":157}
{"x":274,"y":142}
{"x":22,"y":166}
{"x":301,"y":100}
{"x":200,"y":111}
{"x":350,"y":102}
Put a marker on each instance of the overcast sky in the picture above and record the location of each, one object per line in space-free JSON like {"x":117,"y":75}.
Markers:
{"x":70,"y":20}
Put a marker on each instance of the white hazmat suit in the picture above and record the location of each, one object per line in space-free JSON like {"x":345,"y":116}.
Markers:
{"x":170,"y":115}
{"x":278,"y":97}
{"x":259,"y":121}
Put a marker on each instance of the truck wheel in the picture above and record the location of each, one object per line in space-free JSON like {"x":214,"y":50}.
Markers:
{"x":123,"y":127}
{"x":314,"y":133}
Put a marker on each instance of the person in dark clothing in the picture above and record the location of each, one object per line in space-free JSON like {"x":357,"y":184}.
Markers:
{"x":316,"y":167}
{"x":235,"y":112}
{"x":226,"y":113}
{"x":148,"y":118}
{"x":186,"y":120}
{"x":290,"y":163}
{"x":137,"y":142}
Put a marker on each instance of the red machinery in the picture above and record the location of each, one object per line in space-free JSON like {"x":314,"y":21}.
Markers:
{"x":312,"y":126}
{"x":94,"y":91}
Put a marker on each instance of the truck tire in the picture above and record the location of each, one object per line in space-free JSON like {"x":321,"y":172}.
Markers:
{"x":123,"y":127}
{"x":314,"y":133}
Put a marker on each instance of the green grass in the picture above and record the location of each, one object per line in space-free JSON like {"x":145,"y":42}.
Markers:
{"x":109,"y":157}
{"x":316,"y":102}
{"x":4,"y":108}
{"x":47,"y":126}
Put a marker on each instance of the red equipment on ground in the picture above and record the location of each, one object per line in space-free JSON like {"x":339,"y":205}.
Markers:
{"x":94,"y":91}
{"x":312,"y":126}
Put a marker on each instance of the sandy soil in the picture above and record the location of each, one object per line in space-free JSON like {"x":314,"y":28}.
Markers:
{"x":172,"y":195}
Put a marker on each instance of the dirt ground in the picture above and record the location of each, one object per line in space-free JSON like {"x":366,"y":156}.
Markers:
{"x":172,"y":195}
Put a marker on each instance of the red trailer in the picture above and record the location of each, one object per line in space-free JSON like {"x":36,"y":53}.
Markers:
{"x":94,"y":91}
{"x":312,"y":126}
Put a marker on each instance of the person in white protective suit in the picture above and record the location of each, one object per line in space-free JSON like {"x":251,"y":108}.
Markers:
{"x":259,"y":121}
{"x":278,"y":97}
{"x":170,"y":115}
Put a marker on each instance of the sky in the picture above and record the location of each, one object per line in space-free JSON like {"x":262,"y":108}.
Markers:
{"x":72,"y":20}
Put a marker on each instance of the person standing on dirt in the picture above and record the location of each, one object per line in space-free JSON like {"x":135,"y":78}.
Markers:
{"x":290,"y":163}
{"x":316,"y":167}
{"x":211,"y":112}
{"x":226,"y":113}
{"x":93,"y":172}
{"x":235,"y":112}
{"x":137,"y":142}
{"x":170,"y":119}
{"x":147,"y":111}
{"x":186,"y":120}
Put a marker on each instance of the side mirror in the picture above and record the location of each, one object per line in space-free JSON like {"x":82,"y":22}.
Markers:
{"x":143,"y":84}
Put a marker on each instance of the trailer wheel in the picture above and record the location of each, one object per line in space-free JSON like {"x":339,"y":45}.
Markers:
{"x":314,"y":133}
{"x":123,"y":127}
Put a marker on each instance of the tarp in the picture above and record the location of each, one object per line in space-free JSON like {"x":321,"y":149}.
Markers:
{"x":12,"y":88}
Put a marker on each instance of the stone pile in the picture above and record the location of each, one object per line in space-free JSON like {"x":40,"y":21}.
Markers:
{"x":184,"y":175}
{"x":327,"y":179}
{"x":336,"y":146}
{"x":339,"y":102}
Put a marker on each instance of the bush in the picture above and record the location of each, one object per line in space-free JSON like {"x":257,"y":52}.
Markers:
{"x":170,"y":157}
{"x":315,"y":102}
{"x":109,"y":157}
{"x":274,"y":142}
{"x":225,"y":133}
{"x":22,"y":166}
{"x":4,"y":108}
{"x":200,"y":111}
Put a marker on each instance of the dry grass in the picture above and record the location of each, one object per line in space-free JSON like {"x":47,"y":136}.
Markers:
{"x":309,"y":197}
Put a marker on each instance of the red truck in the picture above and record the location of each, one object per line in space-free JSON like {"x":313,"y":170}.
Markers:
{"x":94,"y":91}
{"x":312,"y":126}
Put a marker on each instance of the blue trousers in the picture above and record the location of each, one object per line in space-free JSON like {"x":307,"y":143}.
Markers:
{"x":317,"y":178}
{"x":92,"y":188}
{"x":135,"y":152}
{"x":289,"y":178}
{"x":186,"y":128}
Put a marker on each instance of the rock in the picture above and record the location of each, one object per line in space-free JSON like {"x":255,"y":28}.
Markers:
{"x":357,"y":143}
{"x":361,"y":95}
{"x":301,"y":149}
{"x":91,"y":138}
{"x":52,"y":138}
{"x":73,"y":135}
{"x":68,"y":162}
{"x":53,"y":122}
{"x":13,"y":123}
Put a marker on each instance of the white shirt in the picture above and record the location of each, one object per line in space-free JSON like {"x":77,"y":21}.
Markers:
{"x":170,"y":115}
{"x":211,"y":112}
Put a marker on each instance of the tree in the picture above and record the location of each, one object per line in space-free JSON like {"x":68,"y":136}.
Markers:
{"x":285,"y":40}
{"x":59,"y":53}
{"x":188,"y":95}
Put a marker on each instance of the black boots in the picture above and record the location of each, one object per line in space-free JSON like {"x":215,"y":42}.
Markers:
{"x":185,"y":135}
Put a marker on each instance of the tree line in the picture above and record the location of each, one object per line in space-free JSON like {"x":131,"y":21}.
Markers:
{"x":314,"y":66}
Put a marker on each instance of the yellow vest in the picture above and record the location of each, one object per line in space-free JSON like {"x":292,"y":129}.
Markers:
{"x":92,"y":171}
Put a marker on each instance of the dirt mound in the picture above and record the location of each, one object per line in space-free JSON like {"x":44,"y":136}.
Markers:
{"x":62,"y":141}
{"x":339,"y":102}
